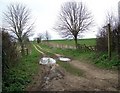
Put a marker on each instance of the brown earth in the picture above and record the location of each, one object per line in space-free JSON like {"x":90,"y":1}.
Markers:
{"x":93,"y":79}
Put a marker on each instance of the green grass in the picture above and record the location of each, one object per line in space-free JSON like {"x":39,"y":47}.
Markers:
{"x":45,"y":50}
{"x":21,"y":74}
{"x":101,"y":60}
{"x":66,"y":65}
{"x":71,"y":69}
{"x":98,"y":59}
{"x":88,"y":42}
{"x":72,"y":53}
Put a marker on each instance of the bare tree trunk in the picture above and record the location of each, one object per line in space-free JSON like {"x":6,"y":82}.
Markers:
{"x":73,"y":19}
{"x":22,"y":48}
{"x":76,"y":44}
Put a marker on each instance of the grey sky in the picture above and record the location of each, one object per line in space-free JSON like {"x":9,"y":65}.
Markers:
{"x":44,"y":13}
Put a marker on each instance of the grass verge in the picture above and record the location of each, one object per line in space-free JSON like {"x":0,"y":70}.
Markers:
{"x":101,"y":60}
{"x":21,"y":74}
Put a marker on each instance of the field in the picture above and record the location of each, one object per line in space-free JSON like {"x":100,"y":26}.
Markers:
{"x":88,"y":42}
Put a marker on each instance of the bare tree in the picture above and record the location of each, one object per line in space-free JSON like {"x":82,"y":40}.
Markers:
{"x":39,"y":37}
{"x":17,"y":17}
{"x":73,"y":20}
{"x":111,"y":19}
{"x":47,"y":36}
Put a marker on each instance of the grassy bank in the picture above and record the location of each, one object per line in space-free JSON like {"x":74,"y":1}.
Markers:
{"x":21,"y":74}
{"x":101,"y":60}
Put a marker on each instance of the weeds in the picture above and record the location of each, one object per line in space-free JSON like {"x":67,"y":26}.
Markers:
{"x":102,"y":61}
{"x":19,"y":76}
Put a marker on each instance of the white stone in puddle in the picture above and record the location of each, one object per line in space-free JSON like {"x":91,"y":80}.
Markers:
{"x":64,"y":59}
{"x":47,"y":60}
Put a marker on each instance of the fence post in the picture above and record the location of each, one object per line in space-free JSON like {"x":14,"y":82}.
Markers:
{"x":109,"y":41}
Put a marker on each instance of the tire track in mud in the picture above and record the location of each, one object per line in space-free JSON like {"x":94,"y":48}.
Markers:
{"x":38,"y":50}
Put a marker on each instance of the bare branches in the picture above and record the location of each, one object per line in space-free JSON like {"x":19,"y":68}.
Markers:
{"x":112,"y":19}
{"x":17,"y":18}
{"x":73,"y":19}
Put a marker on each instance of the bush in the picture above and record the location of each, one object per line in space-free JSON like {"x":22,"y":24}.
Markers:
{"x":9,"y":51}
{"x":9,"y":58}
{"x":102,"y":40}
{"x":102,"y":61}
{"x":18,"y":77}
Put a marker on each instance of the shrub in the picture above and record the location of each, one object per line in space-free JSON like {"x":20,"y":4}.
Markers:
{"x":9,"y":49}
{"x":9,"y":53}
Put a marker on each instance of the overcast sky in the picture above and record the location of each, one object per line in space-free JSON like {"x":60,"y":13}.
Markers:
{"x":45,"y":12}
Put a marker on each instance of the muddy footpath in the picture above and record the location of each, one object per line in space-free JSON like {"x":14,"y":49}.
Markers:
{"x":53,"y":77}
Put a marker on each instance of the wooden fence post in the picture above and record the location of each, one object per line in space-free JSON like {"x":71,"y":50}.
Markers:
{"x":109,"y":41}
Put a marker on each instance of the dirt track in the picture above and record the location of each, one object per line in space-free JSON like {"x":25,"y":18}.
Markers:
{"x":98,"y":79}
{"x":93,"y":79}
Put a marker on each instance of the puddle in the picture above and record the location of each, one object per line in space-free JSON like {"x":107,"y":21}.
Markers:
{"x":47,"y":60}
{"x":64,"y":59}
